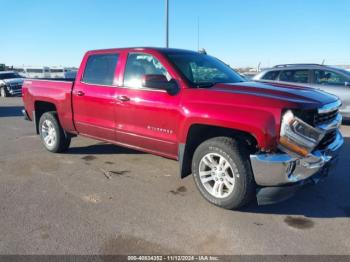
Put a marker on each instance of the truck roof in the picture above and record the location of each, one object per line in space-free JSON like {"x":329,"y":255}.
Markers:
{"x":136,"y":49}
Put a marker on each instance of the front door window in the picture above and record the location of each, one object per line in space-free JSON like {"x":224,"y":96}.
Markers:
{"x":323,"y":77}
{"x":139,"y":65}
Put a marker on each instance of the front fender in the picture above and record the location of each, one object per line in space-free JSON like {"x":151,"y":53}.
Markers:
{"x":263,"y":125}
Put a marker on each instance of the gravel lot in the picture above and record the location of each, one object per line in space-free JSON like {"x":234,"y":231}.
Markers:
{"x":64,"y":204}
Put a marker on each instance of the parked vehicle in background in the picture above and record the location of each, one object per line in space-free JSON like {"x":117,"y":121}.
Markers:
{"x":62,"y":72}
{"x":248,"y":76}
{"x":57,"y":72}
{"x":333,"y":80}
{"x":238,"y":139}
{"x":20,"y":71}
{"x":2,"y":67}
{"x":36,"y":72}
{"x":10,"y":83}
{"x":46,"y":72}
{"x":70,"y":73}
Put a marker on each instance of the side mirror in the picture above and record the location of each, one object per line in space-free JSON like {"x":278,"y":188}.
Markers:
{"x":347,"y":83}
{"x":160,"y":82}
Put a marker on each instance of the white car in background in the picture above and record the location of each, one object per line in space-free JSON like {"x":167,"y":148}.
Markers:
{"x":35,"y":72}
{"x":10,"y":83}
{"x":63,"y":72}
{"x":57,"y":72}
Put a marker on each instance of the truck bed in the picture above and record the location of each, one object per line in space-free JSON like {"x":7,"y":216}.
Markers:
{"x":53,"y":90}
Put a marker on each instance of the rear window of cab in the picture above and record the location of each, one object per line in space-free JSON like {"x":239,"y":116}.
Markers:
{"x":100,"y":69}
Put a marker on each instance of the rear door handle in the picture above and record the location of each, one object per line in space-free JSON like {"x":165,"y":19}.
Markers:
{"x":123,"y":98}
{"x":79,"y":93}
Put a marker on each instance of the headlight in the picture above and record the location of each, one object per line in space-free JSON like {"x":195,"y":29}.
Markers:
{"x":297,"y":136}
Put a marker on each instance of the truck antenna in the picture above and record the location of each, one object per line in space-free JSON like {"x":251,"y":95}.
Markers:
{"x":198,"y":33}
{"x":167,"y":23}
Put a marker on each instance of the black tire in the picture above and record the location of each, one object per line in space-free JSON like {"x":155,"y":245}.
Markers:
{"x":62,"y":141}
{"x":3,"y":92}
{"x":243,"y":189}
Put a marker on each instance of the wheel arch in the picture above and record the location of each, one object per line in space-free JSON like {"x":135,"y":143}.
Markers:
{"x":199,"y":133}
{"x":41,"y":107}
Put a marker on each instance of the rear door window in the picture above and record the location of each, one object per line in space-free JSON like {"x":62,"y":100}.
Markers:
{"x":100,"y":69}
{"x":272,"y":75}
{"x":295,"y":76}
{"x":323,"y":77}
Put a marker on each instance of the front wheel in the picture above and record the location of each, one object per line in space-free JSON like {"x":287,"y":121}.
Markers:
{"x":3,"y":92}
{"x":222,"y":172}
{"x":52,"y":134}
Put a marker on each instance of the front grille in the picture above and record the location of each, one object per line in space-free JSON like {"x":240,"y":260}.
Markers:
{"x":325,"y":117}
{"x":321,"y":118}
{"x":15,"y":86}
{"x":307,"y":116}
{"x":327,"y":139}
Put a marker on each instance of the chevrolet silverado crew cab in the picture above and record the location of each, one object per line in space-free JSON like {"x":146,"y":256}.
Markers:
{"x":238,"y":139}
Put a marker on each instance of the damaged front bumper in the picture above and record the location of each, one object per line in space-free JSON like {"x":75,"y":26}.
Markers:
{"x":280,"y":175}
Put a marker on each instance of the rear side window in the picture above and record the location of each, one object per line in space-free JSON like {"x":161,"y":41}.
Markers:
{"x":100,"y":69}
{"x":272,"y":75}
{"x":295,"y":76}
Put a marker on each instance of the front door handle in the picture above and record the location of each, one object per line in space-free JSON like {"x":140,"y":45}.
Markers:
{"x":79,"y":93}
{"x":123,"y":98}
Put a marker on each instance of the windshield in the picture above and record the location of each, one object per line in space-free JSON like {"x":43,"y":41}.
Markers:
{"x":203,"y":70}
{"x":9,"y":76}
{"x":347,"y":72}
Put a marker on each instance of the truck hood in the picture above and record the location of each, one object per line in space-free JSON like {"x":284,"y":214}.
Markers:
{"x":288,"y":93}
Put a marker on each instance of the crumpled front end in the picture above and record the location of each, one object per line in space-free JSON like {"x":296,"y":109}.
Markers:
{"x":307,"y":152}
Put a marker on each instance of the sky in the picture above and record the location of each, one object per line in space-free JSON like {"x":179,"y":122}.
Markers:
{"x":240,"y":32}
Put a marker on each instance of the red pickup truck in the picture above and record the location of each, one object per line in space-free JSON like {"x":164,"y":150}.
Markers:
{"x":238,"y":139}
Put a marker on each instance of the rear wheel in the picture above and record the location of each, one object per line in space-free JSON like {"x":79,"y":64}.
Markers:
{"x":52,"y":134}
{"x":3,"y":92}
{"x":222,"y":172}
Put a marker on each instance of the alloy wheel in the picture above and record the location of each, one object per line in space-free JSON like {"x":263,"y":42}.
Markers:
{"x":48,"y":132}
{"x":217,"y":175}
